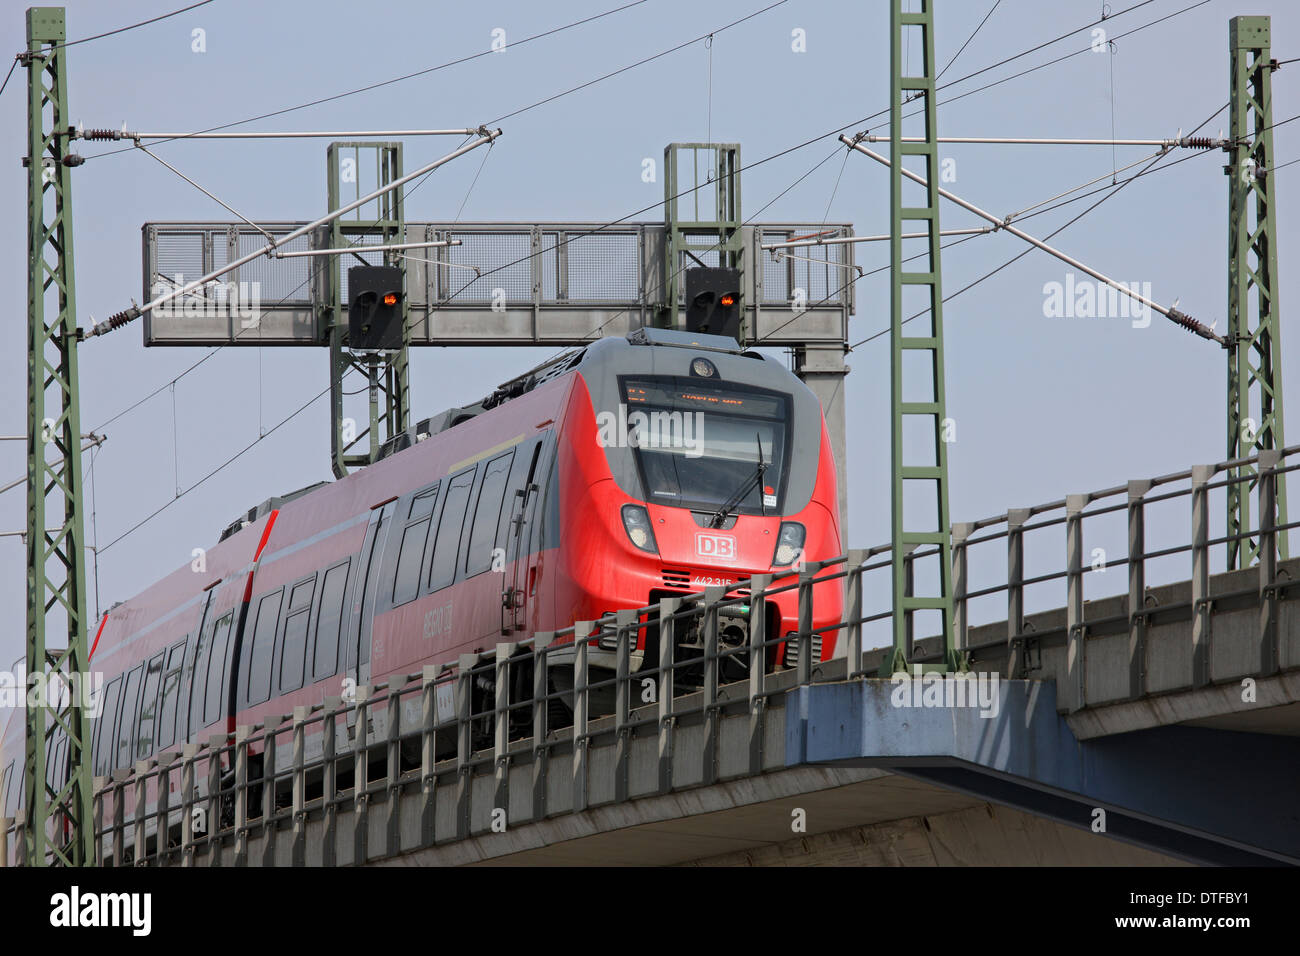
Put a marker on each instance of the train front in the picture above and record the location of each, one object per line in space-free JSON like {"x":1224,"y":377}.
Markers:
{"x":693,"y":464}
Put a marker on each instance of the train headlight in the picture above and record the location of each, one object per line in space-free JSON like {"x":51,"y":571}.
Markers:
{"x":636,"y":522}
{"x":789,"y":544}
{"x":703,"y":368}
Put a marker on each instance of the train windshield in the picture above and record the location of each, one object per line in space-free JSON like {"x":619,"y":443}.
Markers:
{"x":700,"y":445}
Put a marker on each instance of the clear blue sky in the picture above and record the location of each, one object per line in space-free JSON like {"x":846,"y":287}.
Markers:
{"x":1043,"y":406}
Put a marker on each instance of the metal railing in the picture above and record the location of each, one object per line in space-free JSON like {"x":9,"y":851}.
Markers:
{"x":341,"y":756}
{"x":415,"y":735}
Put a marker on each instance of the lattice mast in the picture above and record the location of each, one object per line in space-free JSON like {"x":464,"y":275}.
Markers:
{"x":58,"y":827}
{"x":1254,"y":320}
{"x":927,"y":474}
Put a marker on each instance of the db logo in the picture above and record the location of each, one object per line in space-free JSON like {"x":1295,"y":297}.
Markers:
{"x":716,"y":546}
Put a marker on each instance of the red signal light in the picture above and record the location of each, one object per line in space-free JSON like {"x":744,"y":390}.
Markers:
{"x":728,"y":300}
{"x":390,"y":298}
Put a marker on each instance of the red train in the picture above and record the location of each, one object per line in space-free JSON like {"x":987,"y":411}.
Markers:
{"x":618,"y":474}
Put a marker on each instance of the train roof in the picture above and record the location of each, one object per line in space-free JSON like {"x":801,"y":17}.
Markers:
{"x":520,"y":385}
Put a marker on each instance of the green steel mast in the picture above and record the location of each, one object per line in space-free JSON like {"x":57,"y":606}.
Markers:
{"x":926,"y":477}
{"x":55,"y":559}
{"x":1255,"y":348}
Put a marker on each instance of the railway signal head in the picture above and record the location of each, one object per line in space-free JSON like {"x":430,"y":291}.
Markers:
{"x":713,"y":301}
{"x":374,"y":308}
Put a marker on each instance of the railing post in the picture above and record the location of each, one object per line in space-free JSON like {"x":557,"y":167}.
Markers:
{"x":1201,"y":475}
{"x":216,"y":745}
{"x":667,"y":639}
{"x":758,"y":584}
{"x":98,"y":785}
{"x":393,"y":761}
{"x":501,"y":728}
{"x":188,"y":754}
{"x":162,"y":812}
{"x":329,"y":781}
{"x":804,"y":635}
{"x":961,"y":531}
{"x":1138,"y":619}
{"x":541,"y":711}
{"x":141,"y":786}
{"x":298,"y":855}
{"x":1269,"y":459}
{"x":709,"y":690}
{"x":428,"y":755}
{"x":464,"y":739}
{"x":1076,"y":642}
{"x":581,"y":709}
{"x":119,"y":817}
{"x":627,"y":621}
{"x":1017,"y":661}
{"x":271,"y":725}
{"x":361,"y":778}
{"x":242,"y":734}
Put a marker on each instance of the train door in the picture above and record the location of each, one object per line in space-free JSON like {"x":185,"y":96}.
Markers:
{"x":514,"y":586}
{"x":365,"y":591}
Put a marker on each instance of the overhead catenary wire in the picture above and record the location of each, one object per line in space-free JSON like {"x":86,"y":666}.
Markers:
{"x":752,"y":165}
{"x":128,"y":315}
{"x":95,"y":135}
{"x":1109,"y":189}
{"x":1169,"y":312}
{"x":397,"y":79}
{"x":125,"y":316}
{"x":1053,"y":62}
{"x":134,"y":26}
{"x":632,"y":66}
{"x":225,"y":464}
{"x":263,"y":434}
{"x":879,"y":113}
{"x":311,"y":276}
{"x":1112,"y":191}
{"x":963,"y":47}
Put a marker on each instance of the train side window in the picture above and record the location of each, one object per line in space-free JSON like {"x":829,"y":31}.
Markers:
{"x":126,"y":724}
{"x":186,"y":687}
{"x":199,"y":679}
{"x":329,"y":620}
{"x":301,"y":593}
{"x":409,"y":558}
{"x":104,"y":728}
{"x":171,"y":687}
{"x":423,"y":502}
{"x":213,"y":699}
{"x":293,"y":646}
{"x":259,"y":664}
{"x":487,"y":514}
{"x":522,"y":476}
{"x":412,"y":550}
{"x":148,"y":708}
{"x":446,"y":546}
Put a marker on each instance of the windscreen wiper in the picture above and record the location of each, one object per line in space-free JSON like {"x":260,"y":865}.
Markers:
{"x":720,"y":516}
